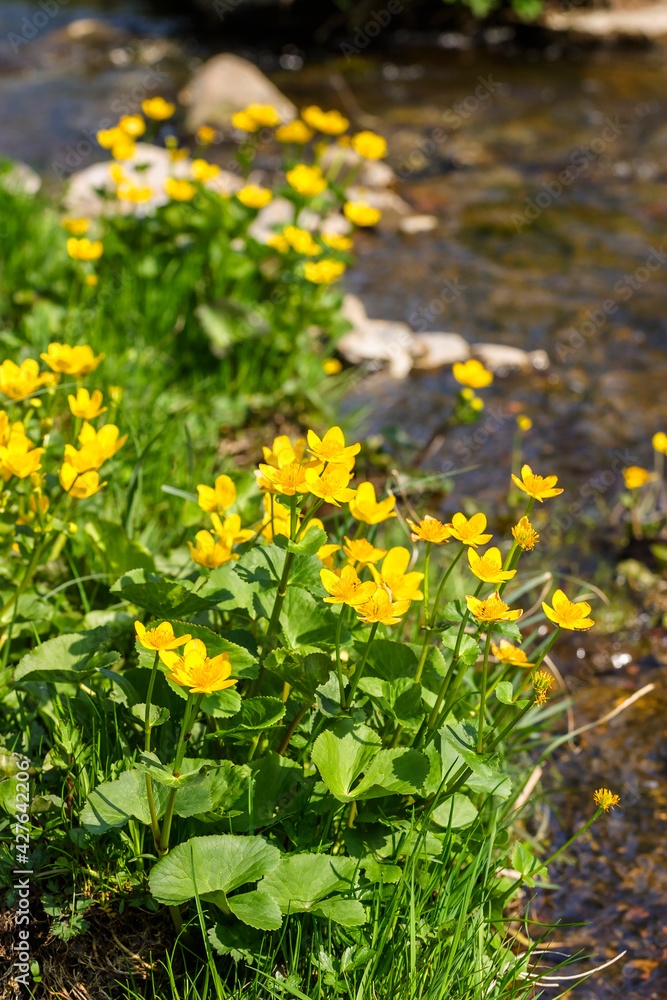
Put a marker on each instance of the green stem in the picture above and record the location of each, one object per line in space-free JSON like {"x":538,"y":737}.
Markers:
{"x":339,"y":669}
{"x":147,"y":746}
{"x":189,"y":716}
{"x":430,"y":622}
{"x":427,"y":566}
{"x":513,"y":555}
{"x":452,"y":666}
{"x":291,"y":729}
{"x":482,"y":700}
{"x":576,"y":836}
{"x":360,"y":669}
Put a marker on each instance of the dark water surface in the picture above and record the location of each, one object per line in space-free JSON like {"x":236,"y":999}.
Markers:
{"x":523,"y":254}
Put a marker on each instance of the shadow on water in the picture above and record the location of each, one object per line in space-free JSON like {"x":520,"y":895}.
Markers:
{"x":525,"y":255}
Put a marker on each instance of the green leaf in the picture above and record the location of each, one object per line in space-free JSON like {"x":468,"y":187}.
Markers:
{"x":276,"y":780}
{"x":505,"y":692}
{"x":162,"y":597}
{"x":309,"y":544}
{"x":300,"y":881}
{"x":469,"y":649}
{"x":229,"y":591}
{"x":453,"y":611}
{"x":256,"y":714}
{"x":257,"y":909}
{"x":525,"y":862}
{"x":242,"y":661}
{"x":399,"y":771}
{"x":486,"y":775}
{"x":113,"y":803}
{"x":457,"y":812}
{"x":303,"y":669}
{"x":306,"y":619}
{"x":375,"y":871}
{"x":66,"y":659}
{"x":342,"y":754}
{"x":117,"y":552}
{"x":391,"y":660}
{"x":150,"y":763}
{"x":400,"y":698}
{"x":212,"y":864}
{"x":347,"y":912}
{"x":510,"y":630}
{"x":157,"y":715}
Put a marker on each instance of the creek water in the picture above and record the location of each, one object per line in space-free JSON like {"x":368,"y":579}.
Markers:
{"x":546,"y":170}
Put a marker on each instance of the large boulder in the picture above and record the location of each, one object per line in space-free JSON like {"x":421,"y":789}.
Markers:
{"x":226,"y":84}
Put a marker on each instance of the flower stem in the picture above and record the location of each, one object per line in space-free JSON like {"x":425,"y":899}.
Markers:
{"x":339,"y":669}
{"x":452,"y":666}
{"x":360,"y":669}
{"x":482,"y":700}
{"x":430,"y":622}
{"x":291,"y":729}
{"x":147,"y":746}
{"x":189,"y":716}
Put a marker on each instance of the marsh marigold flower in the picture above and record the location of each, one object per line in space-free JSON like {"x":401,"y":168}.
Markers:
{"x":541,"y":681}
{"x":470,"y":532}
{"x":124,"y":149}
{"x":75,"y":227}
{"x":659,"y":442}
{"x":20,"y":381}
{"x":401,"y":585}
{"x":524,"y":423}
{"x":254,"y":196}
{"x":381,"y":608}
{"x":137,"y":194}
{"x":332,"y":366}
{"x":132,"y":125}
{"x":84,"y":249}
{"x":196,"y":670}
{"x":105,"y":440}
{"x":107,"y":137}
{"x":429,"y":529}
{"x":301,"y":241}
{"x":360,"y":213}
{"x":205,"y":135}
{"x":86,"y":406}
{"x":157,"y":108}
{"x":79,"y":485}
{"x":489,"y":566}
{"x":76,"y":361}
{"x":329,"y":122}
{"x":219,"y":497}
{"x":525,"y":535}
{"x":346,"y":588}
{"x":258,"y":115}
{"x":203,"y":171}
{"x":209,"y":552}
{"x":229,"y":531}
{"x":18,"y":457}
{"x":179,"y":190}
{"x":567,"y":614}
{"x":330,"y":483}
{"x":493,"y":609}
{"x":159,"y":636}
{"x":604,"y":799}
{"x":326,"y":552}
{"x":288,"y":479}
{"x":323,"y":272}
{"x":366,"y":508}
{"x":360,"y":550}
{"x":369,"y":145}
{"x":512,"y":655}
{"x":337,"y":242}
{"x":306,"y":180}
{"x":282,"y":451}
{"x":538,"y":487}
{"x":332,"y":447}
{"x":472,"y":373}
{"x":635,"y":477}
{"x":296,"y":132}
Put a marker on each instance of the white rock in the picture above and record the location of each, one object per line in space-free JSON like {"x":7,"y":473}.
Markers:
{"x":226,"y":84}
{"x":376,"y":339}
{"x":279,"y":213}
{"x":412,"y":224}
{"x":649,"y":21}
{"x":392,"y":206}
{"x":435,"y":350}
{"x":19,"y":178}
{"x":497,"y":357}
{"x":371,"y":173}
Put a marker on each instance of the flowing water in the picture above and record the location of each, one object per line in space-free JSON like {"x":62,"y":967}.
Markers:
{"x":546,"y":169}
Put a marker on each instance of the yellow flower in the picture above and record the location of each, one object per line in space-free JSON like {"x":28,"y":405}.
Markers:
{"x":604,"y":799}
{"x":86,"y":406}
{"x":115,"y":393}
{"x":429,"y":529}
{"x":176,"y":155}
{"x":79,"y":485}
{"x":524,"y":423}
{"x":470,"y":532}
{"x":76,"y":227}
{"x":536,"y":486}
{"x":380,"y":608}
{"x":566,"y":614}
{"x":297,"y":132}
{"x":369,"y":145}
{"x":91,"y":280}
{"x":542,"y":681}
{"x":306,"y":180}
{"x":139,"y":195}
{"x":325,"y":553}
{"x":472,"y":373}
{"x":288,"y":479}
{"x":84,"y":249}
{"x":208,"y":552}
{"x":116,"y":173}
{"x":108,"y":136}
{"x":512,"y":655}
{"x":332,"y":366}
{"x":360,"y":550}
{"x":230,"y":531}
{"x":245,"y":122}
{"x":123,"y":149}
{"x":205,"y":135}
{"x":401,"y":585}
{"x":331,"y":448}
{"x":366,"y":508}
{"x":635,"y":477}
{"x":20,"y":381}
{"x":525,"y":535}
{"x":301,"y":241}
{"x":196,"y":670}
{"x":254,"y":196}
{"x":360,"y":213}
{"x":179,"y":190}
{"x":203,"y":171}
{"x":329,"y":122}
{"x":324,"y":271}
{"x":96,"y":447}
{"x":489,"y":567}
{"x":330,"y":483}
{"x":282,"y":451}
{"x":659,"y":442}
{"x":346,"y":588}
{"x":493,"y":609}
{"x":159,"y":636}
{"x":157,"y":108}
{"x":133,"y":125}
{"x":337,"y":242}
{"x":218,"y":497}
{"x":278,"y":242}
{"x":18,"y":457}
